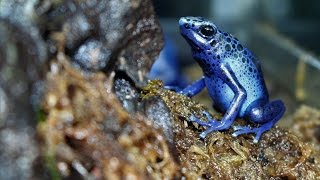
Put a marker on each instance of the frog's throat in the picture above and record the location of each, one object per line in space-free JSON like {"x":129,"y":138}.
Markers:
{"x":192,"y":44}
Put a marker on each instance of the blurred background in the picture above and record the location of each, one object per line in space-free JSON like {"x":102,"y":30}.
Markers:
{"x":284,"y":35}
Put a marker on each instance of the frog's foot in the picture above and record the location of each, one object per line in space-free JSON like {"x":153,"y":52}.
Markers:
{"x":212,"y":124}
{"x":173,"y":88}
{"x":211,"y":121}
{"x":247,"y":130}
{"x":268,"y":115}
{"x":217,"y":126}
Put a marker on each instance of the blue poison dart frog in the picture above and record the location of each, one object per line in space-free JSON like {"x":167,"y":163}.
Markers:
{"x":167,"y":67}
{"x":233,"y":77}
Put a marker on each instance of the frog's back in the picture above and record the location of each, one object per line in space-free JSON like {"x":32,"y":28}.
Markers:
{"x":247,"y":70}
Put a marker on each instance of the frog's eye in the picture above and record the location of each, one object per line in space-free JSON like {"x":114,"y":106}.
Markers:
{"x":208,"y":30}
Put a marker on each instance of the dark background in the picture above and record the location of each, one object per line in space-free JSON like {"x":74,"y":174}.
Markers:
{"x":297,"y":19}
{"x":294,"y":39}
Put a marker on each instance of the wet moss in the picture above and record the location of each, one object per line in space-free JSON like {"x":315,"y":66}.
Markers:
{"x":88,"y":131}
{"x":180,"y":105}
{"x":279,"y":153}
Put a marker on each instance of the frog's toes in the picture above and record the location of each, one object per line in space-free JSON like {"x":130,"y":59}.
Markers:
{"x":211,"y":120}
{"x":208,"y":115}
{"x":193,"y":118}
{"x":210,"y":123}
{"x":257,"y":137}
{"x":203,"y":134}
{"x":216,"y":127}
{"x":236,"y":128}
{"x":241,"y":130}
{"x":173,"y":88}
{"x":247,"y":130}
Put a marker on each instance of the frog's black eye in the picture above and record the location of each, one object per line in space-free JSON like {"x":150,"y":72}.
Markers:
{"x":208,"y":30}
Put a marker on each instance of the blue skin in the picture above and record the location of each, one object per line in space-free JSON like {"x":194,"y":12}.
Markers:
{"x":233,"y":77}
{"x":167,"y":68}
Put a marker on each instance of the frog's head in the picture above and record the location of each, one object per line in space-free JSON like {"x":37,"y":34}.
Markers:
{"x":203,"y":36}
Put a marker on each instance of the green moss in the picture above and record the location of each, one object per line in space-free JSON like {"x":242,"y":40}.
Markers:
{"x":52,"y":168}
{"x":40,"y":115}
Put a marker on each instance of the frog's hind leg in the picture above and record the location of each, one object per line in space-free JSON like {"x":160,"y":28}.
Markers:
{"x":268,"y":115}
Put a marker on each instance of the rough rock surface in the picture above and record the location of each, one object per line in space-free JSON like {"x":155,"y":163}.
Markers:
{"x":127,"y":29}
{"x":22,"y":69}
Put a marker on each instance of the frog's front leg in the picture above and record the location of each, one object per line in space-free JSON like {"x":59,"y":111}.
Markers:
{"x":210,"y":120}
{"x":228,"y":76}
{"x":194,"y":88}
{"x":191,"y":89}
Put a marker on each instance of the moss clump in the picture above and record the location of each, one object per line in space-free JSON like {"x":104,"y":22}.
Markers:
{"x":278,"y":154}
{"x":180,"y":105}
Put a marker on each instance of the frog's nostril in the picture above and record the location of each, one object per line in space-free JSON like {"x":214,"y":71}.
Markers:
{"x":183,"y":21}
{"x":187,"y":26}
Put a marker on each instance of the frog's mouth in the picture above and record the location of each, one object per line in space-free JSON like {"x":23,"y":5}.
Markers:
{"x":193,"y":45}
